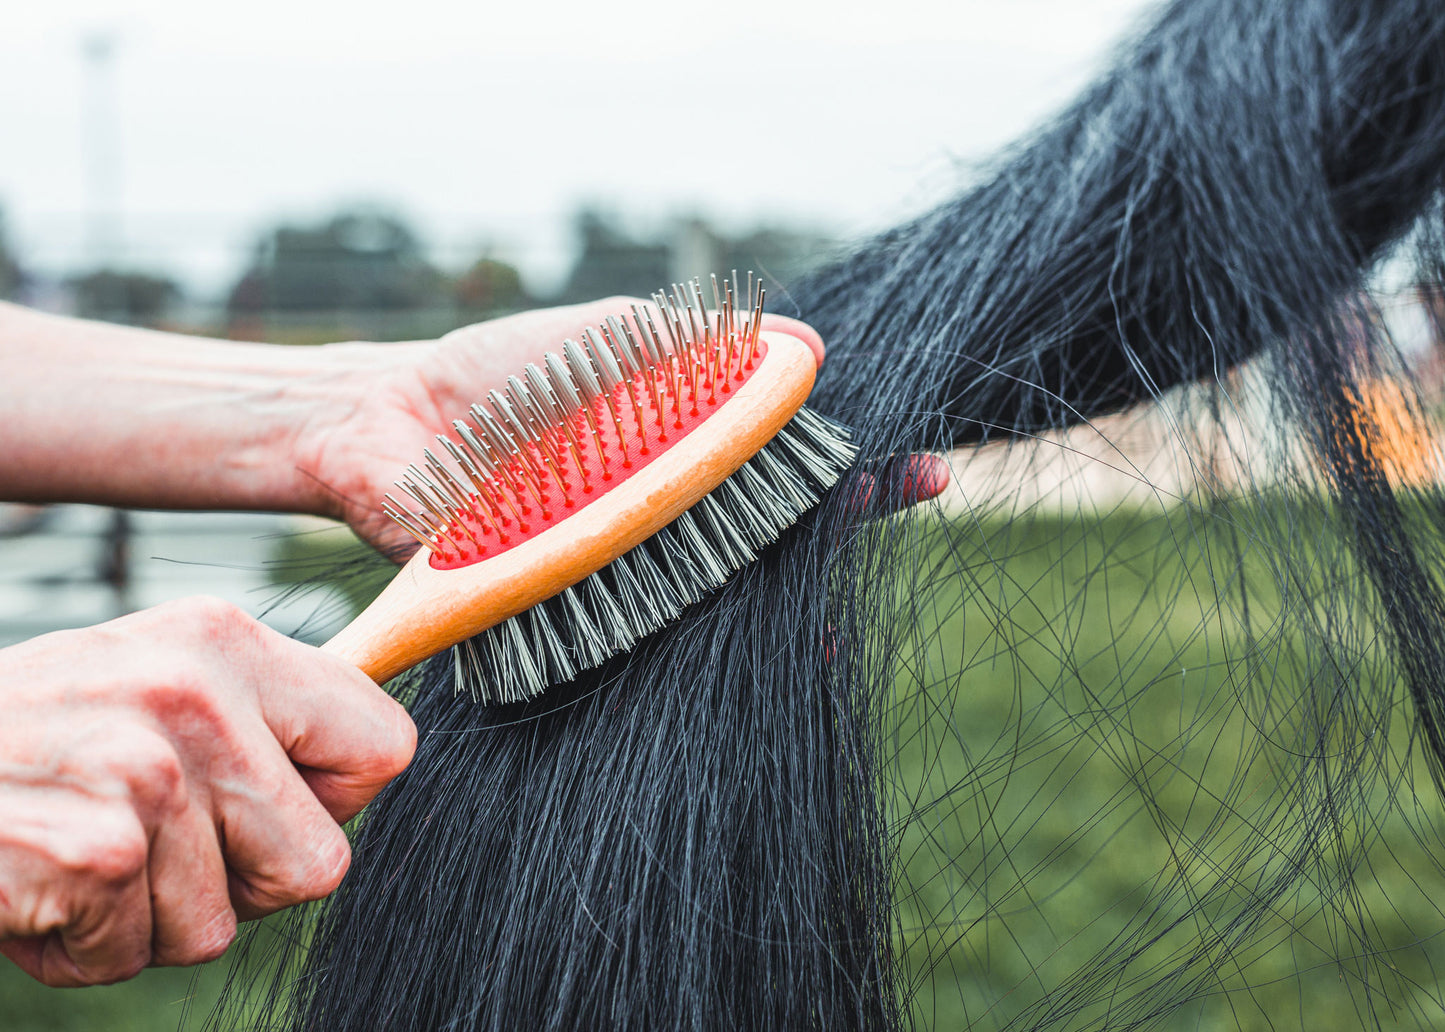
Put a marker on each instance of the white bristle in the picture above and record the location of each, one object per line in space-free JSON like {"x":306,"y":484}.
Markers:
{"x":476,"y":449}
{"x":530,"y":438}
{"x":624,"y":348}
{"x":643,"y":590}
{"x":515,"y":425}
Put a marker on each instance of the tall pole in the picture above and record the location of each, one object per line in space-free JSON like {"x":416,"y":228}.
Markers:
{"x":102,"y":187}
{"x":102,"y":151}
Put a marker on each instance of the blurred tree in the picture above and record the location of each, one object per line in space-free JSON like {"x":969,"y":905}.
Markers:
{"x":11,"y":276}
{"x":490,"y":286}
{"x":130,"y":297}
{"x":362,"y":260}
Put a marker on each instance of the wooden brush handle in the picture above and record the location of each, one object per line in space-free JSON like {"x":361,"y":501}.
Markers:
{"x":425,"y":610}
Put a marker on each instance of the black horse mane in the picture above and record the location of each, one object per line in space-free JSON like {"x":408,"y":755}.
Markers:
{"x":806,"y":806}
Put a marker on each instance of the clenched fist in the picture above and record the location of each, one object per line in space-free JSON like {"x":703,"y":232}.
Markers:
{"x":168,"y":773}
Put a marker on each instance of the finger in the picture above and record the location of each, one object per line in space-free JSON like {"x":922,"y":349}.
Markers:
{"x":920,"y":477}
{"x":342,"y":795}
{"x":95,"y":923}
{"x":280,"y":845}
{"x":926,"y":476}
{"x":192,"y":918}
{"x":25,"y":954}
{"x":503,"y":347}
{"x":109,"y":942}
{"x":554,"y":324}
{"x":506,"y":345}
{"x":349,"y":737}
{"x":796,"y":328}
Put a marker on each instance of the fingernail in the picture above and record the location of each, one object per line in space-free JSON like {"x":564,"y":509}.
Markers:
{"x":927,"y":476}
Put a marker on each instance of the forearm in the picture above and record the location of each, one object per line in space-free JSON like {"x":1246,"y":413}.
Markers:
{"x":122,"y":416}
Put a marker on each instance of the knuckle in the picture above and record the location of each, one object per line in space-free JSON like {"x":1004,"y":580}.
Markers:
{"x":134,"y":763}
{"x":165,"y":779}
{"x":121,"y":970}
{"x":119,"y":860}
{"x":400,"y":744}
{"x":322,"y":871}
{"x":110,"y":848}
{"x":189,"y":700}
{"x":208,"y":942}
{"x":48,"y":911}
{"x":213,"y":618}
{"x":151,"y":765}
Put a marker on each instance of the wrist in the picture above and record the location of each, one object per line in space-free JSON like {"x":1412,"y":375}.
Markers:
{"x":304,"y":449}
{"x":265,"y":426}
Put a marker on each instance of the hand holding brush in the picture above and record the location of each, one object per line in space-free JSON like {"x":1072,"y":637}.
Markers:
{"x":169,"y":772}
{"x":163,"y":774}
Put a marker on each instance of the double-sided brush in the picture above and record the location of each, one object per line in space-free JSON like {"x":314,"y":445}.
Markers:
{"x":599,"y":494}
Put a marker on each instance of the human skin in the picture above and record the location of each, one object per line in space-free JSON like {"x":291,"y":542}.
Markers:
{"x":167,"y":774}
{"x":130,"y":417}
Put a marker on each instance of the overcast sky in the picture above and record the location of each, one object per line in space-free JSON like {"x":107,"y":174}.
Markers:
{"x":487,"y":124}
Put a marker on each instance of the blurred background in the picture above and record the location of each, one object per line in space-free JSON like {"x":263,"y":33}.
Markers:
{"x":164,"y":163}
{"x":307,"y":172}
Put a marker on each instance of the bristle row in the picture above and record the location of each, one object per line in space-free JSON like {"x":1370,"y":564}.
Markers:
{"x":537,"y":447}
{"x":648,"y":587}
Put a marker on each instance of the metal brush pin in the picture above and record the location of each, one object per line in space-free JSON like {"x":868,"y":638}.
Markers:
{"x":705,"y":414}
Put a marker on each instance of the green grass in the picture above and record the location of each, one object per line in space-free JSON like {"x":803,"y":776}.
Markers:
{"x":1061,"y":840}
{"x":1044,"y":818}
{"x":155,"y":1000}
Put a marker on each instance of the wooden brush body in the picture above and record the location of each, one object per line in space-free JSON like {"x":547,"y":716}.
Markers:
{"x":425,"y":610}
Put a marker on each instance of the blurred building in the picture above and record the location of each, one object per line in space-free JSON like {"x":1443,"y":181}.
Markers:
{"x":355,"y":260}
{"x":359,"y":273}
{"x":135,"y":298}
{"x":610,"y":260}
